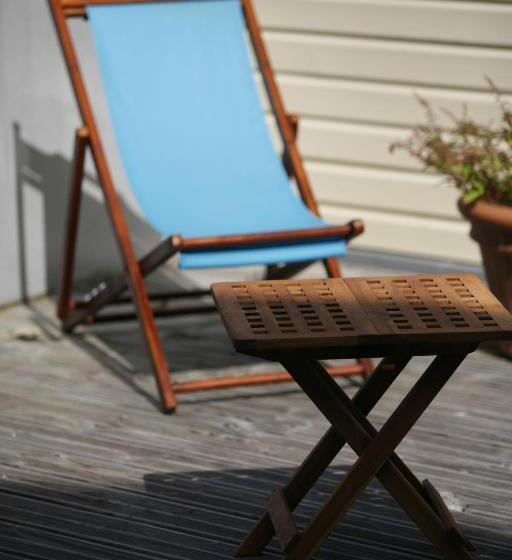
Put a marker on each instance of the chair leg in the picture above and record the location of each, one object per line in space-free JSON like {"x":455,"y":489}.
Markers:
{"x":333,"y":268}
{"x":65,"y":305}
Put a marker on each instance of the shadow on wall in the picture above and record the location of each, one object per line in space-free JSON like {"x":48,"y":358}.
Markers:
{"x":41,"y":237}
{"x":41,"y":233}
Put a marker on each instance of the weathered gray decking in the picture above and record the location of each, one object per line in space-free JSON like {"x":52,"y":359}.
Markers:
{"x":89,"y":469}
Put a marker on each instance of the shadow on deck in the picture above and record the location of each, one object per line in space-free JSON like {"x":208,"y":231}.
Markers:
{"x":198,"y":515}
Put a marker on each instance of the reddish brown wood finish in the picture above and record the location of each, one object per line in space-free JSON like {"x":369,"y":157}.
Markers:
{"x":76,"y":8}
{"x":347,"y":232}
{"x":115,"y":212}
{"x":255,"y":379}
{"x":333,"y":268}
{"x":65,"y":304}
{"x":286,"y":125}
{"x":136,"y":270}
{"x":75,"y":4}
{"x":74,"y":12}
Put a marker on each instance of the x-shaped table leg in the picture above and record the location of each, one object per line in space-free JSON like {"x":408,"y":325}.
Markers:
{"x":324,"y":453}
{"x":376,"y":455}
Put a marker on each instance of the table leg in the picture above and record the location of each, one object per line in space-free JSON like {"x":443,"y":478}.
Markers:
{"x":374,"y":452}
{"x":324,"y":452}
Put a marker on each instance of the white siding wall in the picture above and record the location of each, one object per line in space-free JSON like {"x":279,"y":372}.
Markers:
{"x":351,"y":68}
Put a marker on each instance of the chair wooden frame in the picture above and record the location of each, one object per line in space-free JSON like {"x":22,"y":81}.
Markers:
{"x":73,"y":313}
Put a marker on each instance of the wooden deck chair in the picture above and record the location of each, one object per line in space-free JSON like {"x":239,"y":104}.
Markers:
{"x":198,"y":155}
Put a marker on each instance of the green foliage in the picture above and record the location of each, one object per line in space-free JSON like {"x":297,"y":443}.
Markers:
{"x":475,"y":158}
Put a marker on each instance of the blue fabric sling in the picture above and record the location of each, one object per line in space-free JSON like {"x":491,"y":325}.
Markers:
{"x":191,"y":130}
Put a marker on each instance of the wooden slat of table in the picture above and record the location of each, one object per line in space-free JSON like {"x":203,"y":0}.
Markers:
{"x":437,"y":308}
{"x":278,"y":312}
{"x":483,"y":298}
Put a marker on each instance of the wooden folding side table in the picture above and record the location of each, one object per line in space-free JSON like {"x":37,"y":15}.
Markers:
{"x":300,"y":322}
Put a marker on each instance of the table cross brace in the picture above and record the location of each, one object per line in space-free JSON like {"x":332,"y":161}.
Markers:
{"x":324,"y":453}
{"x":376,"y":455}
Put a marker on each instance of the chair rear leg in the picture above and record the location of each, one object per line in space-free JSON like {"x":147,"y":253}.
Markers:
{"x":65,"y":303}
{"x":333,"y":268}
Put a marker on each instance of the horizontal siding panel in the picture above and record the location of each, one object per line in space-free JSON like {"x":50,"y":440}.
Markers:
{"x":386,"y":191}
{"x":433,"y":238}
{"x":353,"y":143}
{"x":358,"y":144}
{"x":378,"y":103}
{"x":478,"y":23}
{"x":390,"y":61}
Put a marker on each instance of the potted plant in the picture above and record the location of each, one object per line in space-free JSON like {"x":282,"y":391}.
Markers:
{"x":477,"y":160}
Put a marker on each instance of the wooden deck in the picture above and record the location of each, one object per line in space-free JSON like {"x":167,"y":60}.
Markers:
{"x":89,"y":469}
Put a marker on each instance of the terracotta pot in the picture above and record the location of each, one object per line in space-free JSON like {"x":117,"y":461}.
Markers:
{"x":491,"y":228}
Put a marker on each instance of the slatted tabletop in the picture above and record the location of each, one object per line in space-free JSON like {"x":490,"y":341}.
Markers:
{"x":284,"y":314}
